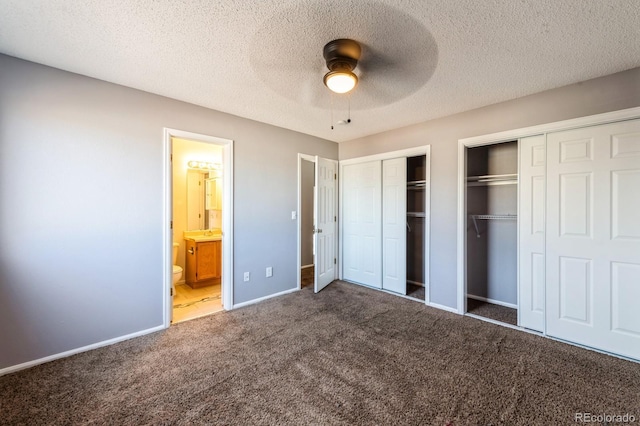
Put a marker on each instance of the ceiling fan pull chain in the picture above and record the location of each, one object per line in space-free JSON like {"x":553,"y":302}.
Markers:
{"x":349,"y":115}
{"x":331,"y":110}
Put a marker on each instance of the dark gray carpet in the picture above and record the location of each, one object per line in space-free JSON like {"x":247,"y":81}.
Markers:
{"x":490,"y":310}
{"x":348,"y":355}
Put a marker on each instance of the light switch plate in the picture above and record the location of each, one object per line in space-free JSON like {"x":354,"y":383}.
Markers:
{"x":294,"y":215}
{"x":246,"y":276}
{"x":269,"y":271}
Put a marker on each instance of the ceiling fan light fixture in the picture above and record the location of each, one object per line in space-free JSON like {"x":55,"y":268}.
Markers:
{"x":341,"y":81}
{"x":342,"y":57}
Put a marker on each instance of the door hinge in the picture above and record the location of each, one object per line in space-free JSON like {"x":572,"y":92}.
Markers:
{"x":171,"y":291}
{"x":335,"y":176}
{"x":335,"y":218}
{"x":171,"y":225}
{"x":335,"y":261}
{"x":171,"y":157}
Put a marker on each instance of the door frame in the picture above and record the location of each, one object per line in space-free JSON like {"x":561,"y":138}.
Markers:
{"x":410,"y":152}
{"x":463,"y":145}
{"x":167,"y":217}
{"x":312,"y":159}
{"x":506,"y":136}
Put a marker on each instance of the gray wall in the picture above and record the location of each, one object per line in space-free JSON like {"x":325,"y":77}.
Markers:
{"x":81,"y":190}
{"x":610,"y":93}
{"x":306,"y":213}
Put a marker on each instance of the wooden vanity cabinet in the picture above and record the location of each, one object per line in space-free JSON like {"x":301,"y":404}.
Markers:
{"x":203,"y":263}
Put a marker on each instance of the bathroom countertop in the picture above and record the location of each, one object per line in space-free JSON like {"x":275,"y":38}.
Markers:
{"x":202,"y":238}
{"x":203,"y":235}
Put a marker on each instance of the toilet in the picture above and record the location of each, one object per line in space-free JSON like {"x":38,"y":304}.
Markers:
{"x":177,"y":270}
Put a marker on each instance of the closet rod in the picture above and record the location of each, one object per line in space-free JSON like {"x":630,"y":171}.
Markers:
{"x":416,"y":184}
{"x":476,"y":217}
{"x":416,"y":214}
{"x":487,"y":180}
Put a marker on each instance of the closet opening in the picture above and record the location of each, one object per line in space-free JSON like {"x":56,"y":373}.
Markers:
{"x":416,"y":225}
{"x":492,"y":232}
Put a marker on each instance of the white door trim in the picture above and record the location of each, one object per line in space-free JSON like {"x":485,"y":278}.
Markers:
{"x":311,"y":158}
{"x":510,"y":135}
{"x":409,"y":152}
{"x":574,"y":123}
{"x":227,"y":217}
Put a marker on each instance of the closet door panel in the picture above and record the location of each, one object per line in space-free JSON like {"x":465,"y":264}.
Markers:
{"x":362,"y":217}
{"x":394,"y":225}
{"x":531,"y":233}
{"x":593,"y":240}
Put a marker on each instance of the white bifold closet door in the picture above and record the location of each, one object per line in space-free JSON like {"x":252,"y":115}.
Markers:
{"x":593,"y":237}
{"x":361,"y":223}
{"x":531,"y":233}
{"x":394,"y":225}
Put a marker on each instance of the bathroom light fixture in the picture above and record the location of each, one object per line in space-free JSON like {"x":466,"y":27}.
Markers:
{"x":342,"y":57}
{"x":204,"y":165}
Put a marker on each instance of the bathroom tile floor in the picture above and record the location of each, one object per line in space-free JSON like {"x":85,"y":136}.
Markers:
{"x":189,"y":303}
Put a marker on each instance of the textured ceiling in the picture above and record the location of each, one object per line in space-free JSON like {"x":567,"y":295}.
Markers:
{"x":263,"y":59}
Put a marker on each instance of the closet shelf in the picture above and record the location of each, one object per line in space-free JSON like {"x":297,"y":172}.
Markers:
{"x":416,"y":184}
{"x":416,"y":214}
{"x":489,"y":180}
{"x":476,"y":217}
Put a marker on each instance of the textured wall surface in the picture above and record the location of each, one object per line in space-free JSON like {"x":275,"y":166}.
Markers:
{"x":610,"y":93}
{"x":81,"y":204}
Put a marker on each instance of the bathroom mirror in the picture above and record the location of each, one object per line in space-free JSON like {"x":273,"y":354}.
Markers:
{"x":204,"y":200}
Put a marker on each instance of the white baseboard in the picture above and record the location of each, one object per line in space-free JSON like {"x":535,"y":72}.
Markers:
{"x":307,"y":266}
{"x":494,"y":301}
{"x":260,"y":299}
{"x":431,"y":304}
{"x":443,"y":307}
{"x":65,"y":354}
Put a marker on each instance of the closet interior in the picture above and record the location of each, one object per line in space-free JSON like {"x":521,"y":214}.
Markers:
{"x":416,"y":223}
{"x":492,"y":205}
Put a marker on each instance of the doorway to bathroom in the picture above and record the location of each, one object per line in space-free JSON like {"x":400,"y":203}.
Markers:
{"x":317,"y":218}
{"x":198,"y":209}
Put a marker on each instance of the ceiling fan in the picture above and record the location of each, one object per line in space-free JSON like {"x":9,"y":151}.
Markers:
{"x":385,"y":56}
{"x":342,"y":57}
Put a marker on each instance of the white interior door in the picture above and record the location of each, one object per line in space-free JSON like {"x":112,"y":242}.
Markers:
{"x":531,"y":232}
{"x":325,"y":223}
{"x":593,"y":237}
{"x":361,"y":223}
{"x":394,"y":225}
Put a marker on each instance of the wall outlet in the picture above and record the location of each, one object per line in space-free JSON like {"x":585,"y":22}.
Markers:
{"x":294,"y":215}
{"x":269,"y":271}
{"x":246,"y":276}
